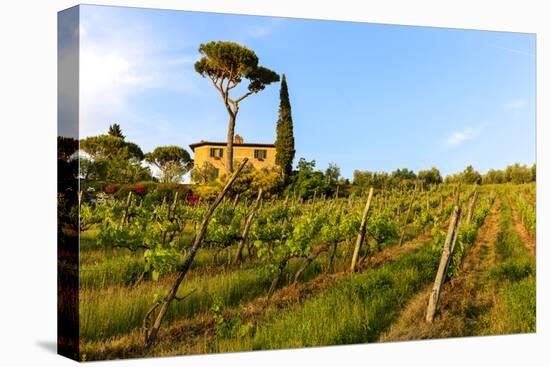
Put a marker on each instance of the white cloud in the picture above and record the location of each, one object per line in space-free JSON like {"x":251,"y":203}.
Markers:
{"x":118,"y":60}
{"x":458,"y":137}
{"x":516,"y":104}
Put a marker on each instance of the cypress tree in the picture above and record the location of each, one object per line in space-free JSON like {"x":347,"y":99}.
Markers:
{"x":284,"y":145}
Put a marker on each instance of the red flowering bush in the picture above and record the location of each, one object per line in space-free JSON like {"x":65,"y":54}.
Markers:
{"x":193,"y":199}
{"x":140,"y":188}
{"x":111,"y":188}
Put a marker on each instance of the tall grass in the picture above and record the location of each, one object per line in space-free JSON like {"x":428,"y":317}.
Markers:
{"x":514,"y":309}
{"x":117,"y":310}
{"x":355,"y":310}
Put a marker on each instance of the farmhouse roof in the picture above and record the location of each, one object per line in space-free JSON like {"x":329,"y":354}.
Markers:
{"x":223,"y":144}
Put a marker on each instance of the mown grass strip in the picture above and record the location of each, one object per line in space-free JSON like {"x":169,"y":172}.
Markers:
{"x":355,"y":310}
{"x":514,"y":309}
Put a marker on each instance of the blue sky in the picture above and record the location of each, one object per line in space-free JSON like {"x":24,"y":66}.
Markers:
{"x":364,"y":96}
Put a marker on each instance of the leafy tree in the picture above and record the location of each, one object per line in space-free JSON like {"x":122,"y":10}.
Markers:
{"x":493,"y":176}
{"x":305,"y":166}
{"x":534,"y":172}
{"x":402,"y":177}
{"x":173,"y":162}
{"x":403,"y":174}
{"x":332,"y":173}
{"x":366,"y":179}
{"x":227,"y":64}
{"x":112,"y":170}
{"x":284,"y":144}
{"x":111,"y":159}
{"x":430,"y":177}
{"x":108,"y":146}
{"x":470,"y":176}
{"x":205,"y":173}
{"x":518,"y":173}
{"x":251,"y":180}
{"x":116,"y":131}
{"x":307,"y":181}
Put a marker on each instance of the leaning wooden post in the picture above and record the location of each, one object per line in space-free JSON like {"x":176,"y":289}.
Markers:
{"x":236,"y":200}
{"x":457,"y":194}
{"x":149,"y":337}
{"x":244,"y":237}
{"x":455,"y":234}
{"x":125,"y":214}
{"x":337,"y":191}
{"x":362,"y":230}
{"x":471,"y":208}
{"x":443,"y":265}
{"x":402,"y":237}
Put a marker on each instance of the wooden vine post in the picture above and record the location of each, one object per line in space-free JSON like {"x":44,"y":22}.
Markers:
{"x":471,"y":208}
{"x":171,"y":215}
{"x":362,"y":230}
{"x":244,"y":237}
{"x":150,"y":336}
{"x":126,"y":207}
{"x":407,"y":215}
{"x":235,"y":200}
{"x":452,"y":233}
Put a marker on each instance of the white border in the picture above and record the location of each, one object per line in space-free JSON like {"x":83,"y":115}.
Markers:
{"x":28,"y":185}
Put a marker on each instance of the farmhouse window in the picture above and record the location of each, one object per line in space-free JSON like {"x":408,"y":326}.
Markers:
{"x":216,"y":152}
{"x":260,"y":154}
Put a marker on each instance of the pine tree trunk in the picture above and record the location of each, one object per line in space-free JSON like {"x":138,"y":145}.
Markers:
{"x":230,"y":137}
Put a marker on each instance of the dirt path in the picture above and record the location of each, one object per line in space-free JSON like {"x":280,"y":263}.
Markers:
{"x":528,"y":240}
{"x":463,"y":299}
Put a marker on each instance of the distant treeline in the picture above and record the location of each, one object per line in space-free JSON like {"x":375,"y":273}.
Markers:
{"x":400,"y":178}
{"x":110,"y":163}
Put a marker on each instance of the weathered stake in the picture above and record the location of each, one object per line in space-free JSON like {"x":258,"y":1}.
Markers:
{"x":443,"y":264}
{"x":402,"y":237}
{"x":244,"y":237}
{"x":471,"y":208}
{"x":361,"y":234}
{"x":171,"y":211}
{"x":149,"y":337}
{"x":236,"y":200}
{"x":125,"y":215}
